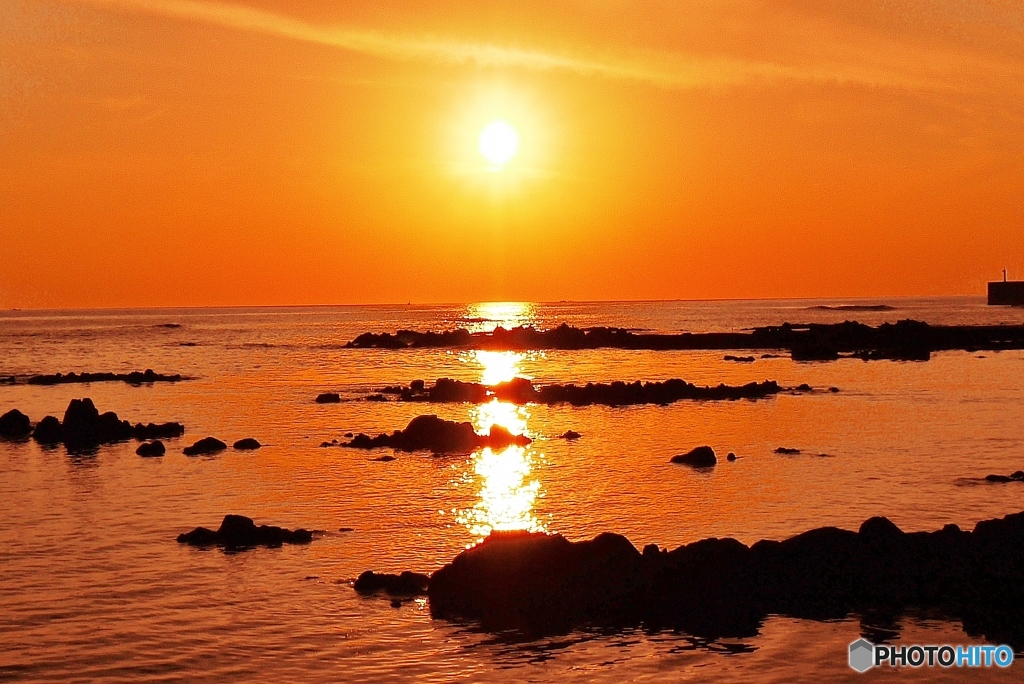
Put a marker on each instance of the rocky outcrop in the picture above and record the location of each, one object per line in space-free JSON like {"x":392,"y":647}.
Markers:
{"x":714,"y":588}
{"x":787,"y":451}
{"x":133,"y":378}
{"x":328,"y":398}
{"x":1014,"y":477}
{"x":207,"y":445}
{"x":570,"y":435}
{"x":238,"y":532}
{"x":14,"y":425}
{"x":906,"y":339}
{"x":151,"y":449}
{"x":405,"y":584}
{"x":430,"y":433}
{"x":247,"y":444}
{"x":84,"y":427}
{"x":698,"y":457}
{"x":522,"y":391}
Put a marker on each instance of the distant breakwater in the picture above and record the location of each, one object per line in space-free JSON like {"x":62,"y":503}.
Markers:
{"x":539,"y":583}
{"x":905,"y":340}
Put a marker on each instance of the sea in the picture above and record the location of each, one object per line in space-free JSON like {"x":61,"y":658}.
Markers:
{"x":94,"y":586}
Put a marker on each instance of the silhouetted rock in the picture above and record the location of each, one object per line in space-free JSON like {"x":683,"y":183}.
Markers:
{"x":239,"y":532}
{"x":430,"y":433}
{"x":133,"y":378}
{"x":405,"y":584}
{"x":156,"y":448}
{"x":699,"y":457}
{"x":207,"y":445}
{"x":48,"y":431}
{"x":10,"y":380}
{"x":247,"y":444}
{"x":539,"y":583}
{"x":570,"y":435}
{"x":386,"y":458}
{"x":730,"y":457}
{"x":84,"y":427}
{"x":787,"y":450}
{"x":158,"y":431}
{"x":522,"y":391}
{"x":14,"y":424}
{"x":328,"y":398}
{"x":906,"y":339}
{"x":1018,"y":476}
{"x":738,"y":359}
{"x":376,"y":397}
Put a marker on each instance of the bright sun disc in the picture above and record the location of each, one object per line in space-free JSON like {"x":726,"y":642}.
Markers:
{"x":499,"y":142}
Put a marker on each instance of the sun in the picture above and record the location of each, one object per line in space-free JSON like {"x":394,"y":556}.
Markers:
{"x":498,"y":143}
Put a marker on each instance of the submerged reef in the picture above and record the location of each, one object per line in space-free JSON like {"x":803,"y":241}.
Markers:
{"x":133,"y":378}
{"x":523,"y":391}
{"x":430,"y":433}
{"x":539,"y":583}
{"x":904,"y":340}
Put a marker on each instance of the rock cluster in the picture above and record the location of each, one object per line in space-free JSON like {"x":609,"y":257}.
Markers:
{"x":523,"y":391}
{"x":84,"y":427}
{"x":430,"y":433}
{"x":239,"y":532}
{"x":904,"y":340}
{"x":720,"y":587}
{"x":133,"y":378}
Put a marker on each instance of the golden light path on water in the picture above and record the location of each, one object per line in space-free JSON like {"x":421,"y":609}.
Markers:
{"x":507,"y":490}
{"x":486,"y":316}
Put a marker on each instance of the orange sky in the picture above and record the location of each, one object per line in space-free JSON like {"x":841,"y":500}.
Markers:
{"x":189,"y":152}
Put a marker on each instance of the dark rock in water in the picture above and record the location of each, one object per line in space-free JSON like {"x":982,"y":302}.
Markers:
{"x":133,"y":378}
{"x":376,"y":397}
{"x":239,"y":532}
{"x":713,"y":588}
{"x":15,"y":424}
{"x":430,"y":433}
{"x":738,"y":359}
{"x":522,"y":391}
{"x":348,"y":435}
{"x":207,"y":445}
{"x":804,"y":387}
{"x":570,"y":435}
{"x":328,"y":398}
{"x":156,"y":448}
{"x":406,"y":584}
{"x":787,"y":450}
{"x":48,"y":431}
{"x":833,"y":389}
{"x":247,"y":444}
{"x":386,"y":458}
{"x":730,"y":457}
{"x":84,"y":427}
{"x":814,"y":352}
{"x":699,"y":457}
{"x":9,"y":380}
{"x":158,"y":431}
{"x":1018,"y":476}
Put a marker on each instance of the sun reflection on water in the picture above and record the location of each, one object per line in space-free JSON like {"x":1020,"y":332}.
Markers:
{"x":498,"y":366}
{"x":507,"y":495}
{"x":486,"y":316}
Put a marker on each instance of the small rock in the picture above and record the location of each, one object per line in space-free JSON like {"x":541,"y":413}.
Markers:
{"x":570,"y":434}
{"x":730,"y":457}
{"x":700,"y":457}
{"x":148,"y":449}
{"x":14,"y":424}
{"x":240,"y":532}
{"x":328,"y":398}
{"x":833,"y":389}
{"x":787,"y":450}
{"x":385,"y":458}
{"x":247,"y":444}
{"x":207,"y":445}
{"x":406,"y":584}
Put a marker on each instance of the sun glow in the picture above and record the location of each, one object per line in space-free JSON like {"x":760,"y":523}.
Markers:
{"x":498,"y":143}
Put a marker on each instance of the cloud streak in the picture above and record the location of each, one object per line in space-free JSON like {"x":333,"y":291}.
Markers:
{"x":665,"y":70}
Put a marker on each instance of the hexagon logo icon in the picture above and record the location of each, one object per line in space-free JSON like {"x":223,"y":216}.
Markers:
{"x":862,"y":655}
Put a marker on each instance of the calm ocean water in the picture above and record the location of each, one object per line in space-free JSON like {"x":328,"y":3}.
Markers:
{"x":93,"y":585}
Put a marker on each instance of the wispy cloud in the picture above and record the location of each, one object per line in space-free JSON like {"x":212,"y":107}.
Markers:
{"x":667,"y":70}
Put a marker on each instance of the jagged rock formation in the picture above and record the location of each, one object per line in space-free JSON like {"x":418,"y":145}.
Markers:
{"x":430,"y":433}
